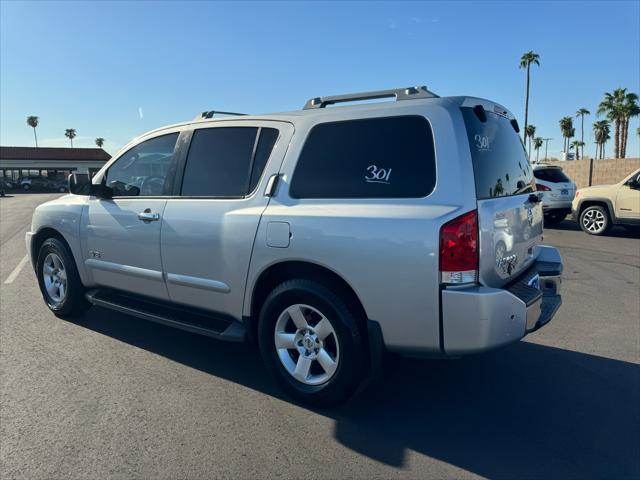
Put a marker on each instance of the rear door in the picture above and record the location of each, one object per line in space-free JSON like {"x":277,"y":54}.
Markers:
{"x":209,"y":230}
{"x":562,"y":188}
{"x":509,"y":220}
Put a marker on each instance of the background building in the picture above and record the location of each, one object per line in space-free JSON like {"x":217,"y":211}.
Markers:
{"x":18,"y":162}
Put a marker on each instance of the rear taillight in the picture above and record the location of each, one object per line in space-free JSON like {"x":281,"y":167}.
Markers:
{"x":459,"y":250}
{"x":542,"y":188}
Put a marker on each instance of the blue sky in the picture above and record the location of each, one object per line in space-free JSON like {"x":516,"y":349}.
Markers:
{"x":118,"y":69}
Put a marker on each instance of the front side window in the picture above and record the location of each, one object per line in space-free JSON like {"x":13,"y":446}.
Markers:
{"x":391,"y":157}
{"x":143,"y":171}
{"x":226,"y":161}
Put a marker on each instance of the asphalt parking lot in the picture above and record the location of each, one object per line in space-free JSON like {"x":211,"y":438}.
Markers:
{"x":111,"y":396}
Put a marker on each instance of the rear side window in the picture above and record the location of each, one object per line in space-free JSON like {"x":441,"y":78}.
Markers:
{"x":500,"y":164}
{"x":553,"y":175}
{"x":222,"y":161}
{"x":390,"y":157}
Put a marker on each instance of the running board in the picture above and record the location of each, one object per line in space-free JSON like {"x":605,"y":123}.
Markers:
{"x":172,"y":315}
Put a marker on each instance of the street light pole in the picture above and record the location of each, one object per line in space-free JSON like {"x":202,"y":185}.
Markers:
{"x":546,"y":144}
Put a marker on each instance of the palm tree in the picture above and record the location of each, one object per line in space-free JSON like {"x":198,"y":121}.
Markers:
{"x":566,"y":126}
{"x":581,"y":113}
{"x":537,"y":144}
{"x":70,"y":133}
{"x":576,"y":145}
{"x":601,"y":130}
{"x":526,"y":61}
{"x":630,"y":109}
{"x":33,"y":121}
{"x":99,"y":142}
{"x":613,"y":105}
{"x":530,"y":133}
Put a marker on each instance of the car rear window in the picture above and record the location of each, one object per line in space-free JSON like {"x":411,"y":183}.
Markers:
{"x":500,"y":164}
{"x":391,"y":157}
{"x":553,"y":175}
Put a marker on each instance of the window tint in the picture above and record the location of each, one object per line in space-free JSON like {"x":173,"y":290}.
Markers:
{"x":554,"y":175}
{"x":500,"y":164}
{"x":369,"y":158}
{"x":219,"y":161}
{"x":144,"y":170}
{"x":267,"y":140}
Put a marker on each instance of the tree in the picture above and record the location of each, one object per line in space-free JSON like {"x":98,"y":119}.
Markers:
{"x":70,"y":133}
{"x":33,"y":121}
{"x":576,"y":145}
{"x":526,"y":61}
{"x":601,"y":130}
{"x":566,"y":127}
{"x":613,"y":105}
{"x":581,"y":113}
{"x":530,"y":133}
{"x":630,"y":109}
{"x":99,"y":142}
{"x":537,"y":144}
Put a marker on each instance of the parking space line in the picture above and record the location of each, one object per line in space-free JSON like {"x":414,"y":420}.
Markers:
{"x":17,"y":270}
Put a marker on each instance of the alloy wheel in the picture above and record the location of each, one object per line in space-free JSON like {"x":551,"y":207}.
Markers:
{"x":594,"y":221}
{"x":54,"y":276}
{"x":307,"y":344}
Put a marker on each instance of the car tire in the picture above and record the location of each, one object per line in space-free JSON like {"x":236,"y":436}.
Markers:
{"x":59,"y":280}
{"x":62,"y":189}
{"x":595,"y":220}
{"x":26,"y":187}
{"x":311,"y":344}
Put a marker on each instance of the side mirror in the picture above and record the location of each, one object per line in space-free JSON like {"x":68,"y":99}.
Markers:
{"x":79,"y":183}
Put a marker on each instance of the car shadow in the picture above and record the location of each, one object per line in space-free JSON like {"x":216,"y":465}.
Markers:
{"x":615,"y":231}
{"x":526,"y":410}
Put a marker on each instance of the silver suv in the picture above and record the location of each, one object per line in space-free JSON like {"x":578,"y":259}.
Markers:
{"x":326,"y":236}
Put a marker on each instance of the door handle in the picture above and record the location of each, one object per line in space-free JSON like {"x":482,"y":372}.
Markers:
{"x":147,"y":216}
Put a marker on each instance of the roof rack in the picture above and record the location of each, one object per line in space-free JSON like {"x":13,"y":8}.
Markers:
{"x":211,"y":113}
{"x":407,"y":93}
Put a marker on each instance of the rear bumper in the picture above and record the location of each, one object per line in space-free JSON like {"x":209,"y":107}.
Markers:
{"x":556,"y":205}
{"x":481,"y":318}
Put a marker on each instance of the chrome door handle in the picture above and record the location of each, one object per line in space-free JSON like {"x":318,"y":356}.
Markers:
{"x":147,"y":216}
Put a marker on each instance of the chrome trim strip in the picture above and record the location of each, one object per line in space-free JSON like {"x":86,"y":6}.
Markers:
{"x":124,"y":269}
{"x":198,"y":282}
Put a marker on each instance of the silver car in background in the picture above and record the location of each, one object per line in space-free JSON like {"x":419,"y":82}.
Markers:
{"x":558,"y":192}
{"x":323,"y":236}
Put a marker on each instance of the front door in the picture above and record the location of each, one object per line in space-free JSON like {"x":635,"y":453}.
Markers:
{"x":628,"y":200}
{"x":122,"y":243}
{"x":208,"y":231}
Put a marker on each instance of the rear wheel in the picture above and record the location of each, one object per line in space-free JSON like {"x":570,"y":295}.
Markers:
{"x":59,"y":281}
{"x":595,"y":220}
{"x":310,"y":342}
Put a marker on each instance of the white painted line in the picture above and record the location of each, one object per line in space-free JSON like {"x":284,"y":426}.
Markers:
{"x":17,"y":270}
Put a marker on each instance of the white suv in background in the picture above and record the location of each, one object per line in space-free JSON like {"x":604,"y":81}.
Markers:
{"x":323,"y":236}
{"x":558,"y":192}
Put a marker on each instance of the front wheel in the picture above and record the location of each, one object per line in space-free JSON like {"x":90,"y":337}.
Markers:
{"x":311,"y":343}
{"x":594,"y":220}
{"x":59,"y":280}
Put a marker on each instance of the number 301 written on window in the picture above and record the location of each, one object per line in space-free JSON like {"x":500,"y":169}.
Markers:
{"x":378,"y":175}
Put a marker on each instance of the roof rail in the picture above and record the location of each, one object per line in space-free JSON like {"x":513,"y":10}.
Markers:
{"x":407,"y":93}
{"x":211,"y":113}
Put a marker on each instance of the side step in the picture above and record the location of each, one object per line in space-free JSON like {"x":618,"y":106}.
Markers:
{"x":172,"y":315}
